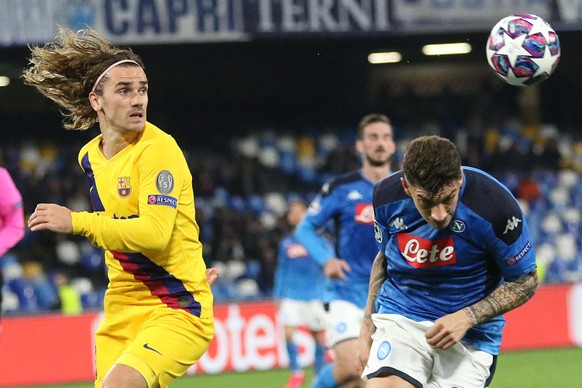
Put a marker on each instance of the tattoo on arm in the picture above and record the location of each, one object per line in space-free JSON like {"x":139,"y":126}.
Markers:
{"x":377,"y":278}
{"x":506,"y":297}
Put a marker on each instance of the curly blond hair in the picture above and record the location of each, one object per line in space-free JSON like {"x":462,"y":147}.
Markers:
{"x":66,"y":68}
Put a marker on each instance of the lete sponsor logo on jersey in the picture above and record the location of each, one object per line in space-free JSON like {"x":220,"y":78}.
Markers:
{"x":422,"y":253}
{"x":364,"y":213}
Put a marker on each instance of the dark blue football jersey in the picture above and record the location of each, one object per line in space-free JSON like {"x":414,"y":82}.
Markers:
{"x":346,"y":201}
{"x":432,"y":273}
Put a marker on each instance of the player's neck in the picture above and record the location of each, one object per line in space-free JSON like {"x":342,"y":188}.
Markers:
{"x":112,"y":143}
{"x":376,"y":173}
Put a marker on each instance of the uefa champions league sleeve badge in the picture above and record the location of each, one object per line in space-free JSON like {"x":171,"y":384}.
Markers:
{"x":165,"y":182}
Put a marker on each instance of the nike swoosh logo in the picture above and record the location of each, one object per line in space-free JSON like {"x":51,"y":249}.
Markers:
{"x":147,"y":346}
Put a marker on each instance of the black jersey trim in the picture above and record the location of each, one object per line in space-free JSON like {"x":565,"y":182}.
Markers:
{"x":389,"y":190}
{"x":387,"y":371}
{"x":494,"y":203}
{"x":350,"y":177}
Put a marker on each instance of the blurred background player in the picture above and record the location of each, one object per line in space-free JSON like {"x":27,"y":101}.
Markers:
{"x":347,"y":202}
{"x":11,"y":217}
{"x":158,"y":306}
{"x":299,"y":282}
{"x":455,"y":254}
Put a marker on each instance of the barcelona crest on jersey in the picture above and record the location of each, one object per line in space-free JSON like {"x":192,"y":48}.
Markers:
{"x":123,"y":186}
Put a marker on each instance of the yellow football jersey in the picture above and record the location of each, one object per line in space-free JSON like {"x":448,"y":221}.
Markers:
{"x":143,"y":216}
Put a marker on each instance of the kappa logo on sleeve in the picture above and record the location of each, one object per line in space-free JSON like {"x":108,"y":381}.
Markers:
{"x":166,"y":200}
{"x":314,"y":207}
{"x":398,"y":223}
{"x":512,"y":223}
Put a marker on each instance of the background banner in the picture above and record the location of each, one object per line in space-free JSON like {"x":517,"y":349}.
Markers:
{"x":466,"y":11}
{"x":56,"y":349}
{"x":186,"y":21}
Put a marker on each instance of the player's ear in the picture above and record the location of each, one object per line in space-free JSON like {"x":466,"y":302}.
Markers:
{"x":94,"y":101}
{"x":359,"y":146}
{"x":461,"y":178}
{"x":405,"y":186}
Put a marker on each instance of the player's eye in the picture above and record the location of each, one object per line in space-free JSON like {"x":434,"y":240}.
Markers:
{"x":450,"y":198}
{"x":426,"y":204}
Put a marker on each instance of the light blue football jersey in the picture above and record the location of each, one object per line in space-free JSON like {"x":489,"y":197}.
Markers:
{"x":297,"y":276}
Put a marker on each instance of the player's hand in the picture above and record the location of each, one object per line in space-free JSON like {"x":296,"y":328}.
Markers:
{"x":362,"y":353}
{"x":336,"y":268}
{"x":212,"y":275}
{"x":49,"y":216}
{"x":448,"y":330}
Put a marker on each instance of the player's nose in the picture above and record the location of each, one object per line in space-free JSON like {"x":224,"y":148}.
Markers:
{"x":137,"y":99}
{"x":438,"y":213}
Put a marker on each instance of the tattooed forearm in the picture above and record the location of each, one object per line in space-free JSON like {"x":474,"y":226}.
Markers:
{"x":506,"y":297}
{"x":377,"y":277}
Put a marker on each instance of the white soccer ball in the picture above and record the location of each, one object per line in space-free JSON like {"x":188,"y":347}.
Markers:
{"x":523,"y":49}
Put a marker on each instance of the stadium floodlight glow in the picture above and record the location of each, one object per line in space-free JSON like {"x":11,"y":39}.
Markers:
{"x":384,"y":57}
{"x":4,"y":81}
{"x":447,"y":49}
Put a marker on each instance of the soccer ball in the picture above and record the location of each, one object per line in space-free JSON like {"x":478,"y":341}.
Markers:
{"x":523,"y":49}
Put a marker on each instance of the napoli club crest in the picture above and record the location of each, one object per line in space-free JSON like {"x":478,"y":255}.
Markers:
{"x":123,"y":186}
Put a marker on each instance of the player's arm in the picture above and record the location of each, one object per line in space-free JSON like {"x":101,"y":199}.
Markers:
{"x":320,"y":249}
{"x":306,"y":233}
{"x":377,"y":278}
{"x":506,"y":297}
{"x":11,"y":213}
{"x":279,"y":272}
{"x":521,"y":279}
{"x":450,"y":329}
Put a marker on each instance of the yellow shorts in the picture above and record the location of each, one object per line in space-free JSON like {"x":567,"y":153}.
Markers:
{"x":160,"y":343}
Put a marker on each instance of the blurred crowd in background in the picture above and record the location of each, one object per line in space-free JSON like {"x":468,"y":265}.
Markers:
{"x":242,"y":194}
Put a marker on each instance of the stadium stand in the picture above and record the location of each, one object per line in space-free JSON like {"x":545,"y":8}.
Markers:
{"x":242,"y":194}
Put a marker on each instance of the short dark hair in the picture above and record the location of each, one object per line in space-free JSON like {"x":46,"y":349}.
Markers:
{"x":431,"y":163}
{"x":371,"y":119}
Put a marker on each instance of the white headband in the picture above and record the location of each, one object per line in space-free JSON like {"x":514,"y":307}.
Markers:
{"x":109,"y":68}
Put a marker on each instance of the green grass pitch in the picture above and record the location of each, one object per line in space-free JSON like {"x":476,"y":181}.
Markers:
{"x":516,"y":369}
